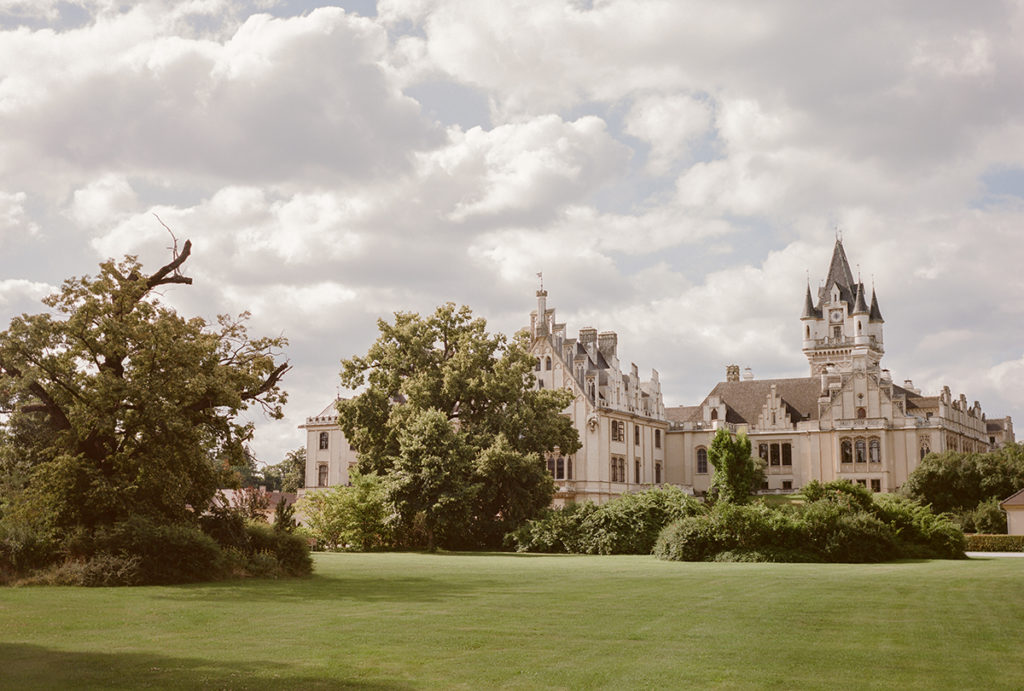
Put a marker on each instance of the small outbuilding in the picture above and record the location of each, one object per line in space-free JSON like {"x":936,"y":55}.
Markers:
{"x":1014,"y":508}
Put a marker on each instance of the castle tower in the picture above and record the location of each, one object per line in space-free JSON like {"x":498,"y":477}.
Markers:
{"x":840,"y":329}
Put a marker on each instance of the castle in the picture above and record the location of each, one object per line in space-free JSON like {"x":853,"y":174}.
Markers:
{"x":846,"y":419}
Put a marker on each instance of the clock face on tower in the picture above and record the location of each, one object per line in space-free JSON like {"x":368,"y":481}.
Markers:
{"x":836,"y":315}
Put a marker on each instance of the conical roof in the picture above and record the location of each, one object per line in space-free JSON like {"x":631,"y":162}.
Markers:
{"x":859,"y":306}
{"x":876,"y":314}
{"x":810,"y":311}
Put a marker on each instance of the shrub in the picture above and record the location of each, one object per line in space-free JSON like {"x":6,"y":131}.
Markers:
{"x":919,"y":532}
{"x":290,"y":551}
{"x":694,"y":538}
{"x":995,"y":543}
{"x":174,"y":553}
{"x":988,"y":518}
{"x":626,"y":525}
{"x":555,"y":530}
{"x":23,"y":549}
{"x":101,"y":570}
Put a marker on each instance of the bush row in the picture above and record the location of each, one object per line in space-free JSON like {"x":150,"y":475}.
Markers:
{"x":995,"y":543}
{"x":142,"y":551}
{"x":626,"y":525}
{"x":840,"y":522}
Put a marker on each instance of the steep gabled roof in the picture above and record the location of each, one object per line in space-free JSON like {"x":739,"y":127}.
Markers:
{"x":839,"y":274}
{"x":859,"y":305}
{"x":745,"y":399}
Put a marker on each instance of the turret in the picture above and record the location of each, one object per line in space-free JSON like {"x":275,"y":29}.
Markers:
{"x":860,"y":318}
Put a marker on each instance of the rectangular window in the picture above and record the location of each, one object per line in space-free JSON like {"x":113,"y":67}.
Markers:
{"x":321,"y":476}
{"x":657,"y":438}
{"x":636,"y":474}
{"x":787,"y":454}
{"x":323,"y":440}
{"x":636,"y":434}
{"x":657,"y":473}
{"x":862,"y":483}
{"x":876,"y":485}
{"x":618,"y":430}
{"x":776,"y":457}
{"x":762,"y":452}
{"x":787,"y":484}
{"x":860,"y":449}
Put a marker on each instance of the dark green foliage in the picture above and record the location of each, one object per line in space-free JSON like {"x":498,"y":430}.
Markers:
{"x":629,"y":524}
{"x":450,"y":417}
{"x":167,"y":553}
{"x":24,"y":549}
{"x":995,"y":543}
{"x":840,"y":524}
{"x":290,"y":474}
{"x":958,"y":482}
{"x":736,"y":474}
{"x":555,"y":530}
{"x":987,"y":517}
{"x":290,"y":552}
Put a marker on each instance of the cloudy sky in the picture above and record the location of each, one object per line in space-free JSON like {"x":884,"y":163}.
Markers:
{"x":676,"y":169}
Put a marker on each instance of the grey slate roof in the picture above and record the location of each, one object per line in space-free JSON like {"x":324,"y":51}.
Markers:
{"x":744,"y":399}
{"x":876,"y":314}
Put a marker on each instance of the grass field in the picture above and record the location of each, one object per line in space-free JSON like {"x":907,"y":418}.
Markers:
{"x":395,"y":621}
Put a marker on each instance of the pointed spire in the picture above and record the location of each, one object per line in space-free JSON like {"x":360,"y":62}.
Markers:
{"x":810,"y":311}
{"x":859,"y":306}
{"x":876,"y":314}
{"x":839,"y":268}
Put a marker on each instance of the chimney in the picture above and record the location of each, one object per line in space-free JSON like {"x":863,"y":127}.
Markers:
{"x":607,"y":343}
{"x":588,"y":335}
{"x":748,"y":374}
{"x":732,"y":372}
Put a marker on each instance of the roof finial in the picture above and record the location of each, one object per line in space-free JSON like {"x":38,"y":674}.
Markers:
{"x":858,"y":273}
{"x":839,"y":233}
{"x":540,"y":275}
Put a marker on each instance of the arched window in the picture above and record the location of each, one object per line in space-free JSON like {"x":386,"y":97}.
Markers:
{"x":702,"y":461}
{"x":536,"y":367}
{"x":560,"y":468}
{"x":321,"y":475}
{"x":861,"y":449}
{"x":324,"y":440}
{"x":846,"y":450}
{"x":875,"y":451}
{"x":861,"y":413}
{"x":551,"y":465}
{"x":807,"y":332}
{"x":547,"y":362}
{"x":714,"y":413}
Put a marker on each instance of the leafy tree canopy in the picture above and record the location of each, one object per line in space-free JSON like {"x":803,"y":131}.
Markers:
{"x":120,"y":407}
{"x":449,"y":413}
{"x":956,"y":482}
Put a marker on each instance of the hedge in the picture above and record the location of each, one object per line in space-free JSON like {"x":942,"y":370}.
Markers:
{"x":995,"y":543}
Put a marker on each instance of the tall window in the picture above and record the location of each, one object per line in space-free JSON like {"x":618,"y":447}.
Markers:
{"x":876,"y":485}
{"x":787,"y":454}
{"x":657,"y":473}
{"x":636,"y":471}
{"x":861,"y":448}
{"x":560,"y":468}
{"x":657,"y":438}
{"x":321,"y":475}
{"x":714,"y":414}
{"x":568,"y":469}
{"x":324,"y":440}
{"x":618,"y":430}
{"x":547,"y":362}
{"x":551,"y":465}
{"x":702,"y":461}
{"x":618,"y":469}
{"x":636,"y":434}
{"x":846,"y":447}
{"x":875,"y":451}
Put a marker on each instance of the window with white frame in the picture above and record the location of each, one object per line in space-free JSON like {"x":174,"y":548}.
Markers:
{"x":618,"y":430}
{"x":324,"y":440}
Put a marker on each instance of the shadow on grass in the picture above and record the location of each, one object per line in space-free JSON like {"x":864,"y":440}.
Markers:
{"x":36,"y":667}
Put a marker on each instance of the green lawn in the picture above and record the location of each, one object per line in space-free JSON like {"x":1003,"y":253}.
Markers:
{"x":502,"y":620}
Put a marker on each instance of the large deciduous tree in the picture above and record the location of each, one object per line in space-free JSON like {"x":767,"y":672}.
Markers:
{"x":449,"y":415}
{"x":120,"y":407}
